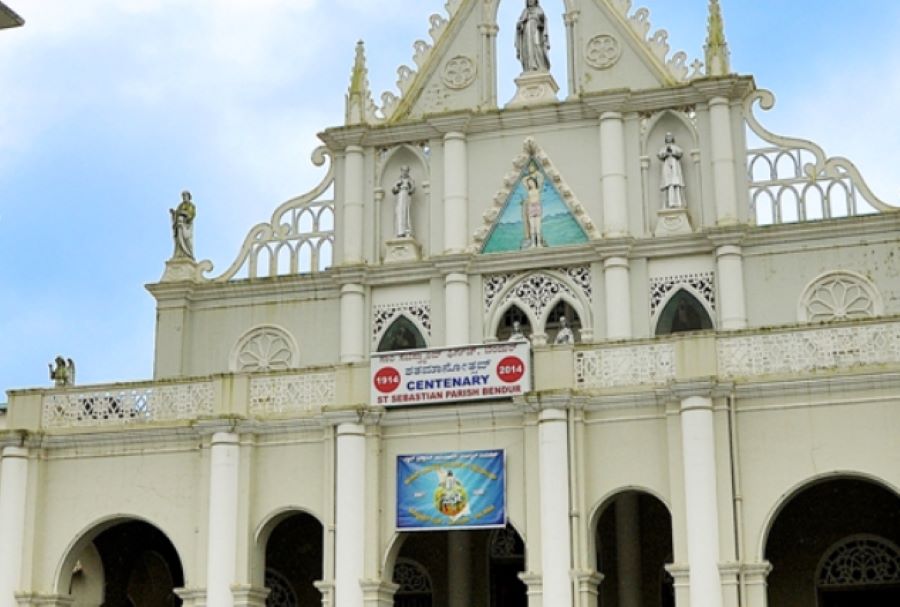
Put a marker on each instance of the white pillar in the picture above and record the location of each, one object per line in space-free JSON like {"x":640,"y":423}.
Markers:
{"x":628,"y":548}
{"x":554,"y":483}
{"x":618,"y":297}
{"x":350,"y":515}
{"x":730,"y":267}
{"x":698,"y":456}
{"x":571,"y":18}
{"x":723,"y":161}
{"x":459,"y":569}
{"x":13,"y":492}
{"x":456,"y":309}
{"x":224,"y":456}
{"x":351,"y":232}
{"x":612,"y":174}
{"x":756,"y":575}
{"x":456,"y":197}
{"x":353,"y":311}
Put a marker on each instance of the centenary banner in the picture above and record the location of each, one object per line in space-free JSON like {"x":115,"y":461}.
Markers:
{"x":419,"y":377}
{"x":462,"y":489}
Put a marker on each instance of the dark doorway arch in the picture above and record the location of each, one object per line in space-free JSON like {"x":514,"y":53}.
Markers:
{"x":401,"y":335}
{"x":822,"y":539}
{"x":127,"y":563}
{"x":294,"y":561}
{"x":494,"y":559}
{"x":681,"y":314}
{"x":634,"y":544}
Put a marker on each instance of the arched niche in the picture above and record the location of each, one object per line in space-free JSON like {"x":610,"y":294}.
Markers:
{"x":401,"y":334}
{"x":289,"y":558}
{"x":388,"y":173}
{"x":553,"y":322}
{"x":506,"y":323}
{"x":653,"y":141}
{"x":683,"y":313}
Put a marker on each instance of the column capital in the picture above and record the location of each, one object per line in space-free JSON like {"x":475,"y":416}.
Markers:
{"x":756,"y":573}
{"x":586,"y":579}
{"x":249,"y":596}
{"x":378,"y":593}
{"x":15,"y":452}
{"x":605,"y":116}
{"x":354,"y":149}
{"x":571,"y":17}
{"x":455,"y":136}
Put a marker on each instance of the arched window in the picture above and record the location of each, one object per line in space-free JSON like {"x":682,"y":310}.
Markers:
{"x":507,"y":324}
{"x":683,"y":313}
{"x":401,"y":335}
{"x":560,"y":311}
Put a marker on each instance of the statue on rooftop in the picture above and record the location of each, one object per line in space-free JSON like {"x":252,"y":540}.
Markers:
{"x":532,"y":39}
{"x":63,"y":374}
{"x":671,"y":181}
{"x":183,"y":227}
{"x":403,"y":191}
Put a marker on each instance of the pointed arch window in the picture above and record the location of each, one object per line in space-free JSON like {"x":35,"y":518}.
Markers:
{"x":683,"y":313}
{"x":401,"y":335}
{"x":507,"y":325}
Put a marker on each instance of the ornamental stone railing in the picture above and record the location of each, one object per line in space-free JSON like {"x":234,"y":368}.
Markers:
{"x":282,"y":394}
{"x":740,"y":356}
{"x":127,"y":405}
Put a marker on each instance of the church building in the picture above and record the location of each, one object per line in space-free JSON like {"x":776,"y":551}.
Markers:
{"x":624,"y":347}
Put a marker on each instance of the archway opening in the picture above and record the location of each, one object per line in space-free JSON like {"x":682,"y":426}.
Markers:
{"x":835,"y":544}
{"x":513,"y":322}
{"x":294,"y":561}
{"x":634,"y":544}
{"x":132,"y":564}
{"x":401,"y":335}
{"x":683,"y":313}
{"x":562,"y":317}
{"x":461,"y":567}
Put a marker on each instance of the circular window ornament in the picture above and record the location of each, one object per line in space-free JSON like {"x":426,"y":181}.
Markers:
{"x":602,"y":52}
{"x":459,"y":72}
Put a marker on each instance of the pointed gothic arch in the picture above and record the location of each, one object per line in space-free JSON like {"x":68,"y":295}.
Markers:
{"x":402,"y":334}
{"x":683,"y":312}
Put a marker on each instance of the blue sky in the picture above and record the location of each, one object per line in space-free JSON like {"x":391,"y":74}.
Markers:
{"x":109,"y":108}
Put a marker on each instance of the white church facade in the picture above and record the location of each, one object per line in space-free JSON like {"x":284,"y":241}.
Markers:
{"x":623,"y":349}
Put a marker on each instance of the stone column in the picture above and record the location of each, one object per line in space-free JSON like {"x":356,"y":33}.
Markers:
{"x":618,"y":297}
{"x":723,"y":161}
{"x":488,"y":79}
{"x":556,"y":552}
{"x":353,"y":312}
{"x":628,"y":547}
{"x":221,"y":558}
{"x":730,"y":268}
{"x":459,"y":569}
{"x":13,"y":492}
{"x":755,"y":575}
{"x":571,"y":18}
{"x":456,"y":309}
{"x":352,"y":231}
{"x":456,"y":193}
{"x":612,"y":174}
{"x":702,"y":514}
{"x":350,"y":515}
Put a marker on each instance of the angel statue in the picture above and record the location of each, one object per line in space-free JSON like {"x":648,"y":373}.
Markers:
{"x":183,"y":227}
{"x":63,"y":374}
{"x":532,"y":39}
{"x":532,"y":209}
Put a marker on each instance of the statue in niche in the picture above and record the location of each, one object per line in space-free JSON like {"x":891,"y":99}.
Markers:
{"x":671,"y":181}
{"x":564,"y":335}
{"x":63,"y":374}
{"x":517,"y":334}
{"x":183,"y":227}
{"x":533,"y":210}
{"x":403,"y":191}
{"x":532,"y":39}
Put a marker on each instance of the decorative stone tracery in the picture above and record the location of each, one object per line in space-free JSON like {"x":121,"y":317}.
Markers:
{"x":860,"y":561}
{"x":700,"y":284}
{"x":602,"y":52}
{"x":280,"y":592}
{"x":264,"y":348}
{"x":419,"y":312}
{"x":840,"y":295}
{"x":412,"y":578}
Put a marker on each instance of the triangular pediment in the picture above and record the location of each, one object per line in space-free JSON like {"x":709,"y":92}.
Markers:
{"x":534,"y":209}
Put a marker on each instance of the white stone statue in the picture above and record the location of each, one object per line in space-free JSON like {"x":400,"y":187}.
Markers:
{"x":63,"y":374}
{"x":533,"y":210}
{"x":403,"y":191}
{"x":532,"y":39}
{"x":671,"y":181}
{"x":183,"y":227}
{"x":517,"y":334}
{"x":564,"y":335}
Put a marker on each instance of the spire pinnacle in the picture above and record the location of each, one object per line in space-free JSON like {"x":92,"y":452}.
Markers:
{"x":359,"y":99}
{"x":718,"y":62}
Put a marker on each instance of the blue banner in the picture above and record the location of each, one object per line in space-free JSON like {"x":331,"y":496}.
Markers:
{"x":462,"y":489}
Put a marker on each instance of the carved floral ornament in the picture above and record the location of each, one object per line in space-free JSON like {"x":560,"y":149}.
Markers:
{"x":602,"y":52}
{"x":459,"y":72}
{"x":264,"y":348}
{"x":532,"y":151}
{"x":839,"y":295}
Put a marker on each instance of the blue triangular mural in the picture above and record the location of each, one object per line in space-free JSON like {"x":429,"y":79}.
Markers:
{"x":533,"y":216}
